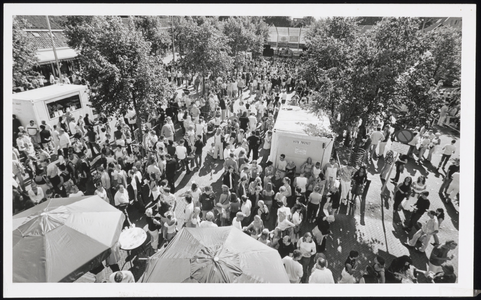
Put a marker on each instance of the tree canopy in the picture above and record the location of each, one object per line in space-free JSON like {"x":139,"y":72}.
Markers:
{"x":361,"y":74}
{"x":24,"y":58}
{"x":118,"y":63}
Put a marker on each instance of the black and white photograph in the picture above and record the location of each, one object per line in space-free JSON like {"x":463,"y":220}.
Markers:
{"x":275,"y":148}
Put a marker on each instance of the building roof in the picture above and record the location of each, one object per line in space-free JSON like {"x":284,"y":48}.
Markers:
{"x":40,"y":22}
{"x":42,"y":39}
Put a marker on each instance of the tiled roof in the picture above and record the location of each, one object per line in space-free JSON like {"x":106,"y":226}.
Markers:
{"x":40,"y":22}
{"x":42,"y":39}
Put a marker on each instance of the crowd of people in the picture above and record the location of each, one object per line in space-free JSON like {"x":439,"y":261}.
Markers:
{"x":136,"y":168}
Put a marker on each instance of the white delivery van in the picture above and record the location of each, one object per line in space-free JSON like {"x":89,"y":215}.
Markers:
{"x":293,"y":136}
{"x":48,"y":103}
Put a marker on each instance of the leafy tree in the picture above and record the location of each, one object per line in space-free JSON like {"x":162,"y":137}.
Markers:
{"x":304,"y":22}
{"x":245,"y":34}
{"x":206,"y":50}
{"x":445,"y":45}
{"x":355,"y":74}
{"x":24,"y":58}
{"x":151,"y":28}
{"x":416,"y":88}
{"x":278,"y":21}
{"x":118,"y":63}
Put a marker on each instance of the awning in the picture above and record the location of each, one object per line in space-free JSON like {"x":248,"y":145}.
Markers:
{"x":47,"y":56}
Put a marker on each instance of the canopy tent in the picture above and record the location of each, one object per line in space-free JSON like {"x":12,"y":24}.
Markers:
{"x":47,"y":56}
{"x":215,"y":255}
{"x":63,"y":238}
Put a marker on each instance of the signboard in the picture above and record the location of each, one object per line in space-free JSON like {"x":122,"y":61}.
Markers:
{"x":404,"y":136}
{"x":400,"y":148}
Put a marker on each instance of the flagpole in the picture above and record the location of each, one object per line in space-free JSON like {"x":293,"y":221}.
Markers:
{"x":54,"y":51}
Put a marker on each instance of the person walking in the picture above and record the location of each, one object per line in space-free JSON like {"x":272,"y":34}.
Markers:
{"x":429,"y":228}
{"x":448,"y":150}
{"x":308,"y":249}
{"x":421,"y":206}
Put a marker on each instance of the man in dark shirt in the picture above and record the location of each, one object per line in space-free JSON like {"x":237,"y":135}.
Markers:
{"x":92,"y":138}
{"x":421,"y":206}
{"x":87,"y":121}
{"x":45,"y":137}
{"x":170,"y":171}
{"x":207,"y":201}
{"x":198,"y":146}
{"x":254,"y":143}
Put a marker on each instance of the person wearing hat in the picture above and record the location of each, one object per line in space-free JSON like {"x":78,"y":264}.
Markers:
{"x":122,"y":277}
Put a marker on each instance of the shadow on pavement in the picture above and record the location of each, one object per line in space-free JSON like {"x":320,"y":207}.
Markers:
{"x":451,"y":211}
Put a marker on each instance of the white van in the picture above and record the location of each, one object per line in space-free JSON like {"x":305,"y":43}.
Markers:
{"x":48,"y":103}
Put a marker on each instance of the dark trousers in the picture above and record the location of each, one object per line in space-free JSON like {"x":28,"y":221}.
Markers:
{"x":171,"y":180}
{"x":312,"y":211}
{"x":444,"y":160}
{"x":414,"y":219}
{"x":255,"y":154}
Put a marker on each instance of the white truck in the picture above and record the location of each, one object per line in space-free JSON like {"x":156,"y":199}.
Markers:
{"x":294,"y":135}
{"x":48,"y":103}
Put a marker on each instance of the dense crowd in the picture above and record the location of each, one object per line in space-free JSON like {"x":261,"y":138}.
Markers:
{"x":137,"y":168}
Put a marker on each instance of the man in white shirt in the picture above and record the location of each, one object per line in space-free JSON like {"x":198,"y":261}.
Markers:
{"x":321,"y":273}
{"x":121,"y":197}
{"x":237,"y":221}
{"x":181,"y":153}
{"x":72,"y":126}
{"x":64,"y":142}
{"x":209,"y":221}
{"x":36,"y":193}
{"x":282,"y":164}
{"x":376,"y":137}
{"x":293,"y":267}
{"x":448,"y":150}
{"x":75,"y":192}
{"x":136,"y":176}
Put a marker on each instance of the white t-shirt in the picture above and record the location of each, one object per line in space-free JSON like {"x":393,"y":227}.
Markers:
{"x":205,"y":224}
{"x":293,"y":269}
{"x":237,"y":224}
{"x":321,"y":276}
{"x":77,"y":194}
{"x":181,"y":152}
{"x":376,"y":137}
{"x":449,"y":149}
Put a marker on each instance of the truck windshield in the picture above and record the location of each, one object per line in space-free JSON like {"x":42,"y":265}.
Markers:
{"x":61,"y":106}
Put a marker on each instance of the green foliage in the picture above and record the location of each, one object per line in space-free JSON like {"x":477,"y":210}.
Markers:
{"x":245,"y":34}
{"x":24,"y":58}
{"x":278,"y":21}
{"x":151,"y":28}
{"x":118,"y":63}
{"x":358,"y":75}
{"x":206,"y":49}
{"x":445,"y":45}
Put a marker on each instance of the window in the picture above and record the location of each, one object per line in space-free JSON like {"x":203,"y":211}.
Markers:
{"x":60,"y":107}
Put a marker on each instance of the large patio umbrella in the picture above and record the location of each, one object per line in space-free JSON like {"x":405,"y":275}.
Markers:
{"x":215,"y":255}
{"x":63,"y":238}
